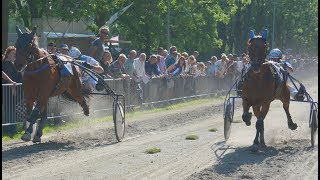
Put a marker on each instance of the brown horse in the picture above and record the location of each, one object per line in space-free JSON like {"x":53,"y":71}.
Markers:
{"x":41,"y":80}
{"x":260,"y":88}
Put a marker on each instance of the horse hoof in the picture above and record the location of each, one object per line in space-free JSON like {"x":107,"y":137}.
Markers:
{"x":293,"y":126}
{"x":26,"y":137}
{"x":262,"y":145}
{"x":254,"y":148}
{"x":248,"y":123}
{"x":36,"y":139}
{"x":86,"y":113}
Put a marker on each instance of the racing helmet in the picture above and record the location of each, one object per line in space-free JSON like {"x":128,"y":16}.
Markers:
{"x":74,"y":52}
{"x":275,"y":54}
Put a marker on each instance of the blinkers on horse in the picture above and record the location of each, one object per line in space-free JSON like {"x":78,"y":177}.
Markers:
{"x":257,"y":49}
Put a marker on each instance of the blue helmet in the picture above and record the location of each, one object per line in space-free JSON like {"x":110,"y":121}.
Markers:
{"x":275,"y":54}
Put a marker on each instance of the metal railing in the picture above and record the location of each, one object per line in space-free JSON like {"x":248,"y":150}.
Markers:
{"x":158,"y":90}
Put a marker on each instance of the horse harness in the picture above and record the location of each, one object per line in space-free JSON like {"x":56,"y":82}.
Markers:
{"x":245,"y":75}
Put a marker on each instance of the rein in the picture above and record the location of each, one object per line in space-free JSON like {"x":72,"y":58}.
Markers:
{"x":33,"y":61}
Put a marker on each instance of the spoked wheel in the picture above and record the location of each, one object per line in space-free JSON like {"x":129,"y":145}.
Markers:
{"x":313,"y":125}
{"x":227,"y":120}
{"x":119,"y":120}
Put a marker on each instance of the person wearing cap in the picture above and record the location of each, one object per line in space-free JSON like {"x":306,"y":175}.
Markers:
{"x":64,"y":49}
{"x":52,"y":48}
{"x":171,"y":58}
{"x":275,"y":56}
{"x":89,"y":80}
{"x":98,"y":46}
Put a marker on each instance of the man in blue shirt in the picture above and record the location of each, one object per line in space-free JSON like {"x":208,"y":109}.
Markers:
{"x":170,"y":58}
{"x":151,"y":66}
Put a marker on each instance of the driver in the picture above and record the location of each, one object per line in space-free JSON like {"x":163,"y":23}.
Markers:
{"x":89,"y":80}
{"x":275,"y":55}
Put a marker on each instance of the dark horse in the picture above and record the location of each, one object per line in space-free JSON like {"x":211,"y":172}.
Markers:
{"x":260,"y":88}
{"x":42,"y":79}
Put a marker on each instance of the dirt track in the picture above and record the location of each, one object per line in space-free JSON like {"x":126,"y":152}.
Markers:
{"x":92,"y":152}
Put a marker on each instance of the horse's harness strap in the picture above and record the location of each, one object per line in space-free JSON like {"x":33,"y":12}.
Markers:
{"x":38,"y":70}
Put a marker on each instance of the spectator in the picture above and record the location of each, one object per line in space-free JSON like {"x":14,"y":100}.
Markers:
{"x":52,"y":48}
{"x":201,"y":69}
{"x":212,"y":68}
{"x":98,"y":46}
{"x":231,"y":65}
{"x":105,"y":64}
{"x":64,"y":49}
{"x":207,"y":64}
{"x":139,"y":67}
{"x":128,"y":65}
{"x":171,"y":57}
{"x":10,"y":96}
{"x":162,"y":54}
{"x":192,"y":65}
{"x":8,"y":66}
{"x":151,"y":67}
{"x":117,"y":68}
{"x":221,"y":66}
{"x":185,"y":55}
{"x":195,"y":54}
{"x":160,"y":51}
{"x":89,"y":81}
{"x":177,"y":68}
{"x":241,"y":63}
{"x":165,"y":54}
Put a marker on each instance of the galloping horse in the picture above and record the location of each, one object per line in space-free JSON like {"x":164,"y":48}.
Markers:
{"x":42,"y":79}
{"x":261,"y":86}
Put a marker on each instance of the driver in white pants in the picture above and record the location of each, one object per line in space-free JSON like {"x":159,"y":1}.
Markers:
{"x":89,"y":81}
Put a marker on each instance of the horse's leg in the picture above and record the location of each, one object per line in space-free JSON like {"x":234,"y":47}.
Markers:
{"x":259,"y":124}
{"x":27,"y":115}
{"x":75,"y":90}
{"x":285,"y":99}
{"x":32,"y":116}
{"x":246,"y":116}
{"x":40,"y":126}
{"x":291,"y":124}
{"x":263,"y":113}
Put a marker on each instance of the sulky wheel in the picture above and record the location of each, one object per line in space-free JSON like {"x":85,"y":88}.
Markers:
{"x":314,"y":125}
{"x":227,"y":120}
{"x":119,"y":120}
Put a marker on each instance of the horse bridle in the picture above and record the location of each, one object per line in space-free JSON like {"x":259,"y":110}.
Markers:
{"x":30,"y":57}
{"x":257,"y":62}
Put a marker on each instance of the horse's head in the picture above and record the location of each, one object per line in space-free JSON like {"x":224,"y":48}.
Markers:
{"x":25,"y":47}
{"x":257,"y":49}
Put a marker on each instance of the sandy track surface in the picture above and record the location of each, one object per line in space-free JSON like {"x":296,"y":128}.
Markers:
{"x":93,"y":153}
